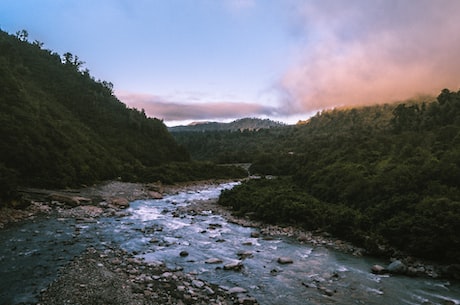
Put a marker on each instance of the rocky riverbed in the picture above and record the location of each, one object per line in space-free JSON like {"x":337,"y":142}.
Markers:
{"x":107,"y":199}
{"x":399,"y":264}
{"x":113,"y":276}
{"x":179,"y":250}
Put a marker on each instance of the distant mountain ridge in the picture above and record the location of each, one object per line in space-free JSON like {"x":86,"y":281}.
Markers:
{"x":240,"y":124}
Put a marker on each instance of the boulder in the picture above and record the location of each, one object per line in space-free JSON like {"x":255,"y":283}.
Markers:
{"x":236,"y":290}
{"x":377,"y":269}
{"x":120,"y":202}
{"x":213,"y":260}
{"x":198,"y":284}
{"x":397,"y":267}
{"x":285,"y":260}
{"x":155,"y":195}
{"x":236,"y":266}
{"x":244,"y":254}
{"x":255,"y":234}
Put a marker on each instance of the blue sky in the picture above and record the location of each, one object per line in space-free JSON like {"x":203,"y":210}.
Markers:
{"x":193,"y":60}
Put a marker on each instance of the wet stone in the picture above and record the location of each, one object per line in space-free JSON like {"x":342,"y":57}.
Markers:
{"x":213,"y":260}
{"x":283,"y":260}
{"x":377,"y":269}
{"x":236,"y":266}
{"x":237,"y":290}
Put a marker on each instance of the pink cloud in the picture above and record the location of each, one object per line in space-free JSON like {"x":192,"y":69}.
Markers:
{"x":362,"y":52}
{"x":161,"y":108}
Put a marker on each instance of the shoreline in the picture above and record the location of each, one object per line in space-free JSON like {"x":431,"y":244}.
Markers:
{"x":108,"y":274}
{"x":414,"y":267}
{"x":111,"y":198}
{"x":107,"y":199}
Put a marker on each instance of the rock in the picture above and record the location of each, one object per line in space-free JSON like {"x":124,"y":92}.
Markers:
{"x":91,"y":211}
{"x":285,"y":260}
{"x":70,"y":200}
{"x":213,"y":260}
{"x":377,"y":269}
{"x":183,"y":253}
{"x":197,"y":283}
{"x":255,"y":234}
{"x":236,"y":266}
{"x":155,"y":195}
{"x":244,"y":254}
{"x":326,"y":291}
{"x":246,"y":300}
{"x":397,"y":267}
{"x":155,"y":241}
{"x":415,"y":271}
{"x":309,"y":285}
{"x":213,"y":226}
{"x":120,"y":202}
{"x":237,"y":290}
{"x":303,"y":238}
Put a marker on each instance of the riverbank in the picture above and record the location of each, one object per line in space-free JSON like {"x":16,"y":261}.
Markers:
{"x":111,"y":275}
{"x":106,"y":200}
{"x":114,"y":276}
{"x":111,"y":198}
{"x":399,"y":264}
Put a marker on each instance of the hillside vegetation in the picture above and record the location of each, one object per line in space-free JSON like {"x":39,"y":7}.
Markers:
{"x":237,"y":125}
{"x":60,"y":127}
{"x":384,"y":177}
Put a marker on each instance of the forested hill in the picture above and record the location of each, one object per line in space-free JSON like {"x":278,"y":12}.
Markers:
{"x":237,"y":125}
{"x":385,"y":177}
{"x":60,"y":127}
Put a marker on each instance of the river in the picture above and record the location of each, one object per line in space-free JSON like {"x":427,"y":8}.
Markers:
{"x":32,"y":252}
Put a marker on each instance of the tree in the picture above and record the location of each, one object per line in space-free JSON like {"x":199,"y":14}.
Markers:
{"x":72,"y":60}
{"x":22,"y":35}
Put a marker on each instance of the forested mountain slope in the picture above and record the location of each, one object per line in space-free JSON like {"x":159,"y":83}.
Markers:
{"x":59,"y":127}
{"x":237,"y":125}
{"x":384,"y":176}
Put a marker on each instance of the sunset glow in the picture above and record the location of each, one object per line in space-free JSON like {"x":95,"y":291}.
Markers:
{"x":187,"y":60}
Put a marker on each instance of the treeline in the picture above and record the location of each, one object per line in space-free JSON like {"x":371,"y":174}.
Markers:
{"x":60,"y":127}
{"x":237,"y":125}
{"x":383,"y":177}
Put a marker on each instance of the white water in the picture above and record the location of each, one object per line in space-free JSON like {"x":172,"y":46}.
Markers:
{"x":31,"y":253}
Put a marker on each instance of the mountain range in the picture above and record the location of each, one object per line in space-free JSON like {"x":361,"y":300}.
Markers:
{"x":249,"y":124}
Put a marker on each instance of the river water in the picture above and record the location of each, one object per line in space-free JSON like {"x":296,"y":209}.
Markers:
{"x":31,"y":254}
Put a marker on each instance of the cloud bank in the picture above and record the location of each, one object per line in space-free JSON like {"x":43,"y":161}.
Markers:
{"x":362,"y":52}
{"x":344,"y":53}
{"x":155,"y":106}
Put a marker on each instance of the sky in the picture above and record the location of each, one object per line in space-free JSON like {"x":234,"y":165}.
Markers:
{"x":219,"y":60}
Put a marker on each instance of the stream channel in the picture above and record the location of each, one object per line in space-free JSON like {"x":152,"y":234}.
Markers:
{"x":32,"y":252}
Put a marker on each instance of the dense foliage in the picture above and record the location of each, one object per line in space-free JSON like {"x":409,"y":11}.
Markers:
{"x":237,"y":125}
{"x":377,"y":175}
{"x":59,"y":127}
